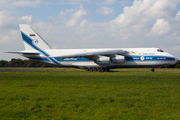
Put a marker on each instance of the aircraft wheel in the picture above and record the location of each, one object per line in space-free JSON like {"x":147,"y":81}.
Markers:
{"x":91,"y":69}
{"x":99,"y":69}
{"x":152,"y":69}
{"x":103,"y":69}
{"x":87,"y":69}
{"x":95,"y":69}
{"x":107,"y":69}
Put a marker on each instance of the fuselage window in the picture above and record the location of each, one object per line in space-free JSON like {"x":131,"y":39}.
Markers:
{"x":159,"y":50}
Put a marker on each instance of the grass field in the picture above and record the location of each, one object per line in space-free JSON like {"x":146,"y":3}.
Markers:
{"x":59,"y":93}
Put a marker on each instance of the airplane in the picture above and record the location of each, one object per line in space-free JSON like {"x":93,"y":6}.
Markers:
{"x":37,"y":48}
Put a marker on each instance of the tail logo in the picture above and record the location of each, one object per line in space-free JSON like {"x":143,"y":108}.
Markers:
{"x":36,"y":41}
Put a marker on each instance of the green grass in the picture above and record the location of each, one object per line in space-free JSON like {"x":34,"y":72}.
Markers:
{"x":59,"y":93}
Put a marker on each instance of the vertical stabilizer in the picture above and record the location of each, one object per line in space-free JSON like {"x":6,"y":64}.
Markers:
{"x":32,"y":40}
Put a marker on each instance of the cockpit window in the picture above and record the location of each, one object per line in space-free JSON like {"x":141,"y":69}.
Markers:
{"x":159,"y":50}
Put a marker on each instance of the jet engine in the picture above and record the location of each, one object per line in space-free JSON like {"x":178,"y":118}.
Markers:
{"x":102,"y":60}
{"x":118,"y":59}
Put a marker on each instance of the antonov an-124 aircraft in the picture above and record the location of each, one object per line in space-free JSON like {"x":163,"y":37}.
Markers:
{"x":37,"y":48}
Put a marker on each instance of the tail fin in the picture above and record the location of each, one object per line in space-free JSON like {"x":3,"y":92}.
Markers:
{"x":32,"y":40}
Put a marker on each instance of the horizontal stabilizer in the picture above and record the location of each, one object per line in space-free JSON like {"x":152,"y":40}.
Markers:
{"x":25,"y":53}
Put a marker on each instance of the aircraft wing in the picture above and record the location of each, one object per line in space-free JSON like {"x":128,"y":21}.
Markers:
{"x":93,"y":54}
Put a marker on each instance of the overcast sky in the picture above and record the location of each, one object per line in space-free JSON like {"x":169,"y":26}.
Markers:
{"x":92,"y":24}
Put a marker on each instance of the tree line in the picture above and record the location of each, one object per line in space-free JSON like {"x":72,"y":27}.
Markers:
{"x":33,"y":63}
{"x":24,"y":63}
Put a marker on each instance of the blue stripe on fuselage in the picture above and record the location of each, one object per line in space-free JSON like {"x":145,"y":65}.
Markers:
{"x":128,"y":58}
{"x":148,"y":58}
{"x":72,"y":59}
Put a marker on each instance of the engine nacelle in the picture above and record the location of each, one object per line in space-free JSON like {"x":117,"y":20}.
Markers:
{"x":102,"y":60}
{"x":118,"y":59}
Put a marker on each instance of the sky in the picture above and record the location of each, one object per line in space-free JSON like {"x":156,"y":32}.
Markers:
{"x":72,"y":24}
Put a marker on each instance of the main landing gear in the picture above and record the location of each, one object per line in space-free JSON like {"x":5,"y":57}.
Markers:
{"x":98,"y":69}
